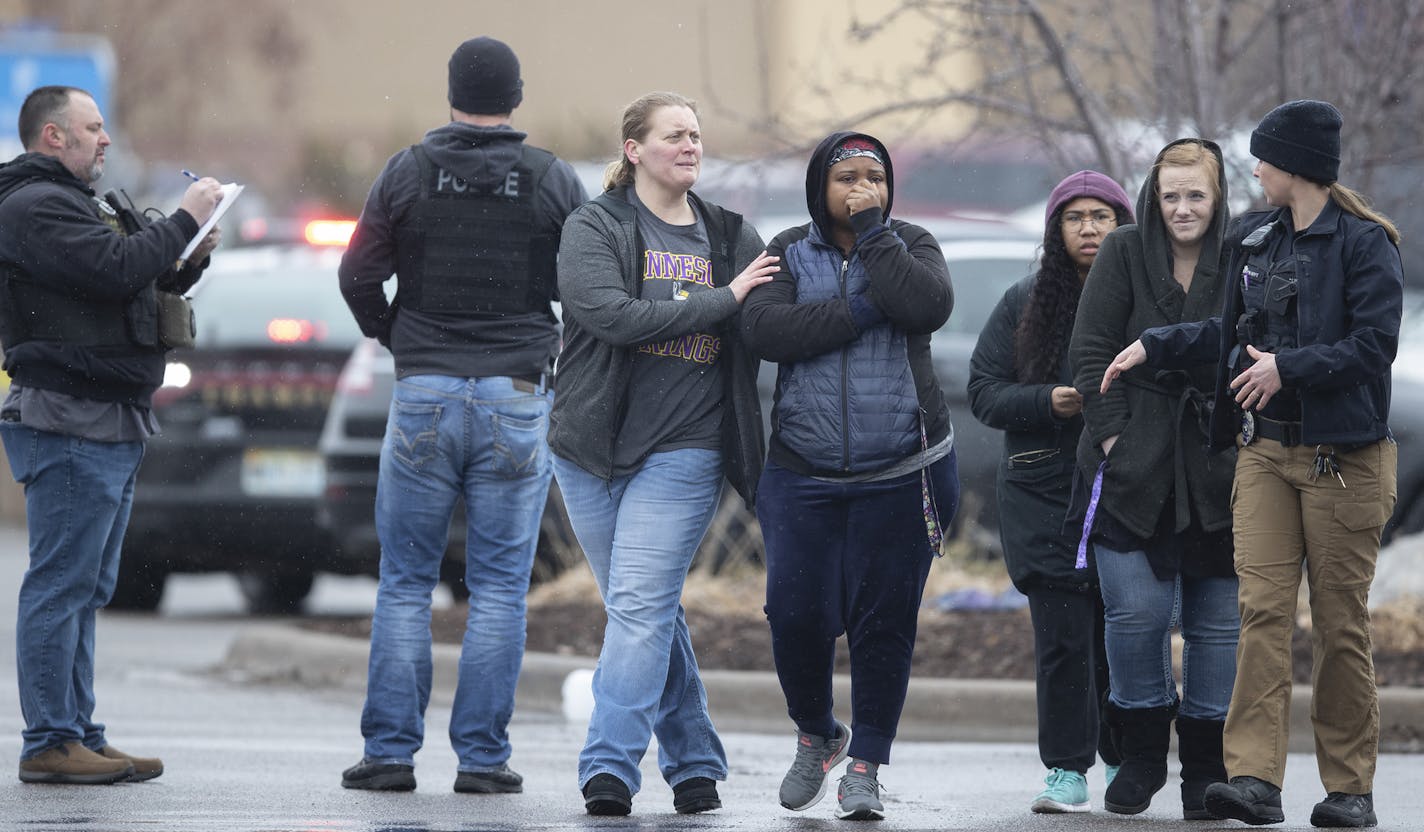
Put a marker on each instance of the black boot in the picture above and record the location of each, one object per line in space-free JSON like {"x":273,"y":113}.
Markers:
{"x":1199,"y":748}
{"x":1109,"y":739}
{"x":1144,"y":735}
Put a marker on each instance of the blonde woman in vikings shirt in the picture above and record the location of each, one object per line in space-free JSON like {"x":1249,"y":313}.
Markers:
{"x":656,"y":403}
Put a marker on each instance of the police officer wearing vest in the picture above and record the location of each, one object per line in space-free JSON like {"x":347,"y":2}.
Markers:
{"x":468,"y":221}
{"x":1303,"y":349}
{"x":80,"y":281}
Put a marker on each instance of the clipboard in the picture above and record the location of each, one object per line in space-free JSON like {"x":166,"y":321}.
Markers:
{"x":230,"y":193}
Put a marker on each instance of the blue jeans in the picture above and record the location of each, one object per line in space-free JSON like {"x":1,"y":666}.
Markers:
{"x":639,"y":533}
{"x":78,"y":494}
{"x":1140,"y":612}
{"x":447,"y":438}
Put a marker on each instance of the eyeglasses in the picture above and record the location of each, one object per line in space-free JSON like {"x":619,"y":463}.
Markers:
{"x":1074,"y":220}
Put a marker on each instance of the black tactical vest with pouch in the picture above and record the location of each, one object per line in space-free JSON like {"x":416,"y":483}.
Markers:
{"x":466,"y":250}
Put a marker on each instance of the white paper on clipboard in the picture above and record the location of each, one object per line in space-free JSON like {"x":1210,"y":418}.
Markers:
{"x":230,"y":192}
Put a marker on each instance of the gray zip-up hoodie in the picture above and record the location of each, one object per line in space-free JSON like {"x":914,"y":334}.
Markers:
{"x":605,"y":319}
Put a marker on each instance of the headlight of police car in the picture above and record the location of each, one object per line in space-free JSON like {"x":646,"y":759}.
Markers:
{"x":177,"y":374}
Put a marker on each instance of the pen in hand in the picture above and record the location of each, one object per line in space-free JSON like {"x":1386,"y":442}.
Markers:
{"x":190,"y":174}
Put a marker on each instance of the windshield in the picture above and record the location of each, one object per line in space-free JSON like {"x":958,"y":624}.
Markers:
{"x":979,"y":283}
{"x":289,"y":301}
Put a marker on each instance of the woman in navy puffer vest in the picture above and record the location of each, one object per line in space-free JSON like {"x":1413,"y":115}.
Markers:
{"x":861,"y":476}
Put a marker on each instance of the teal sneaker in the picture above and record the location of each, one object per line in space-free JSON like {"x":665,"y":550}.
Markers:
{"x":1109,"y":772}
{"x":1067,"y":791}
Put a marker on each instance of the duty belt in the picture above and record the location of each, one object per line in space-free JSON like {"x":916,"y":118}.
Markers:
{"x":1254,"y":427}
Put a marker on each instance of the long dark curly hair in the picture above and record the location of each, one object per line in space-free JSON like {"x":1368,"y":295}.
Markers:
{"x":1047,"y":322}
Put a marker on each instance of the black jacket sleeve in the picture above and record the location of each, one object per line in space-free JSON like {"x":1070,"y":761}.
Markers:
{"x":1373,"y":297}
{"x":65,"y":239}
{"x":1104,"y":309}
{"x":909,"y":285}
{"x":778,"y":329}
{"x":1180,"y":346}
{"x":909,"y":281}
{"x":996,"y":396}
{"x":370,"y":258}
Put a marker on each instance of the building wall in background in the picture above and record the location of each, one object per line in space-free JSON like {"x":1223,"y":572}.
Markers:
{"x":311,"y":104}
{"x":308,"y":99}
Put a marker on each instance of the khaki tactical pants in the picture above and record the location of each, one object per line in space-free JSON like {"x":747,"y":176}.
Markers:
{"x":1282,"y":517}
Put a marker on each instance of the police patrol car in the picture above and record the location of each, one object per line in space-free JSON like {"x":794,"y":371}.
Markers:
{"x":231,"y":483}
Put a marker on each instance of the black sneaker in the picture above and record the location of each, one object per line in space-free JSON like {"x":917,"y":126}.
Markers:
{"x":502,"y":780}
{"x":1247,"y":799}
{"x":1341,"y":809}
{"x":695,"y":794}
{"x":379,"y":777}
{"x":605,"y":794}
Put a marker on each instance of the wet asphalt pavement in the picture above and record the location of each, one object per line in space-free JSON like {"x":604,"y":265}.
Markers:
{"x":245,"y":756}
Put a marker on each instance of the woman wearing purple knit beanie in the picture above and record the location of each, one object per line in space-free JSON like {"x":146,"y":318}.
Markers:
{"x":1020,"y":383}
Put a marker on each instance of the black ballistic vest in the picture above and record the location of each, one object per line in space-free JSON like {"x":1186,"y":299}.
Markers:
{"x":466,"y":250}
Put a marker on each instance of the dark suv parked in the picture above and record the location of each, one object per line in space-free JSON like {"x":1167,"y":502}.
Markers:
{"x":232,"y":481}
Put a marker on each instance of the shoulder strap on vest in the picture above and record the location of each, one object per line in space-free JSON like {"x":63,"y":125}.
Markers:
{"x":538,"y":160}
{"x":427,"y":167}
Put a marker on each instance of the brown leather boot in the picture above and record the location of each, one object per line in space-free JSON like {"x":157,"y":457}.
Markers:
{"x":74,"y":764}
{"x":144,"y":768}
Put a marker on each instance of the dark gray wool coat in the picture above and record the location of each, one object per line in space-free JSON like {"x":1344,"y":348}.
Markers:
{"x":1160,"y":462}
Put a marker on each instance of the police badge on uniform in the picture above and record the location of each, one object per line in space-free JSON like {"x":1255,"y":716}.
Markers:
{"x":109,"y":215}
{"x":1248,"y":428}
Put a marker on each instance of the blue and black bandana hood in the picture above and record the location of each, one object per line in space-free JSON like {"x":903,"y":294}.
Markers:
{"x":820,"y":166}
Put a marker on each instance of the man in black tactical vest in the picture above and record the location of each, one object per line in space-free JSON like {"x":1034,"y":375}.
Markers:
{"x":79,"y":322}
{"x":468,"y":221}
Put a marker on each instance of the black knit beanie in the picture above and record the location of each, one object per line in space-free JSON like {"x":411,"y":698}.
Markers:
{"x":484,"y":77}
{"x":1301,"y":137}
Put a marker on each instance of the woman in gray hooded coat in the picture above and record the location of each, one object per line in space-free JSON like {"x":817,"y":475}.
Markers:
{"x":1158,"y":513}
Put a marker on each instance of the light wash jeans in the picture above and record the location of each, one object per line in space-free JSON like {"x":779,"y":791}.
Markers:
{"x":78,"y":493}
{"x":639,"y":533}
{"x":1140,"y":612}
{"x":447,"y":438}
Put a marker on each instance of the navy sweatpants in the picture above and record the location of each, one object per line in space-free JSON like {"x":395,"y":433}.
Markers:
{"x":848,"y":558}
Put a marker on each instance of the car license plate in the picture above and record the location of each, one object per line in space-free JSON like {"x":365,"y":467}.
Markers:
{"x":273,"y":472}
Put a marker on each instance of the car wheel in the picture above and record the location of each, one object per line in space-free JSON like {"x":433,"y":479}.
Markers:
{"x":140,"y":585}
{"x":275,"y":593}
